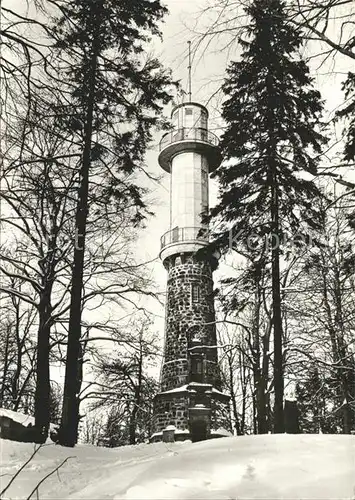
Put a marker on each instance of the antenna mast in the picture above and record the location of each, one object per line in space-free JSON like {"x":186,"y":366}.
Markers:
{"x":189,"y":68}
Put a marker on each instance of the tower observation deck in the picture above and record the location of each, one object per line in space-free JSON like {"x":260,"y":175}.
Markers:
{"x":190,"y":401}
{"x":189,"y":153}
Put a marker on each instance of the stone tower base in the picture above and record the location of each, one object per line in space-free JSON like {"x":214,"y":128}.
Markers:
{"x":197,"y":411}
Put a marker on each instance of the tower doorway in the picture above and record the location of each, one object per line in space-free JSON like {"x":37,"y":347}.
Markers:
{"x":198,"y":430}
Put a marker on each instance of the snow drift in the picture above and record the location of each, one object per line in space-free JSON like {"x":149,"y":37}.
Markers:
{"x":248,"y":467}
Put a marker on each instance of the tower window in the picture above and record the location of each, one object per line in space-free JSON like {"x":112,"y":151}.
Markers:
{"x":196,"y":365}
{"x":195,"y":293}
{"x":196,"y":373}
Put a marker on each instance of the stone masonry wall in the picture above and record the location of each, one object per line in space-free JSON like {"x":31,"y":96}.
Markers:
{"x":189,"y":363}
{"x":186,"y":319}
{"x":172,"y":411}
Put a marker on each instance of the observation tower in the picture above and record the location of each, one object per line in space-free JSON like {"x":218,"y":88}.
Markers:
{"x":190,"y":404}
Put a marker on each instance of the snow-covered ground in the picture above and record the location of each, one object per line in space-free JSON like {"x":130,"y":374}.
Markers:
{"x":248,"y":467}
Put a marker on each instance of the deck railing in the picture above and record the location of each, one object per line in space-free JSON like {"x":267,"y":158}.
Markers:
{"x":180,"y":234}
{"x":186,"y":134}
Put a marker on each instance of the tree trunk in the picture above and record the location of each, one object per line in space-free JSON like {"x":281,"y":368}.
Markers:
{"x":260,"y":382}
{"x":262,"y":406}
{"x":5,"y":367}
{"x":244,"y":387}
{"x":17,"y":374}
{"x":42,"y":368}
{"x":233,"y":397}
{"x":133,"y":419}
{"x":78,"y":383}
{"x":137,"y":399}
{"x":292,"y":425}
{"x":264,"y":396}
{"x":276,"y":310}
{"x":69,"y":421}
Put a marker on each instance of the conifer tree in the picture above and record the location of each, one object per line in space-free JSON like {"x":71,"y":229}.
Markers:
{"x":271,"y":144}
{"x":348,"y":112}
{"x":317,"y":403}
{"x":113,"y":94}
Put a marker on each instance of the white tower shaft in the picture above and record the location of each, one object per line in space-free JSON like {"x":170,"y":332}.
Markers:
{"x":189,"y":189}
{"x":189,"y":153}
